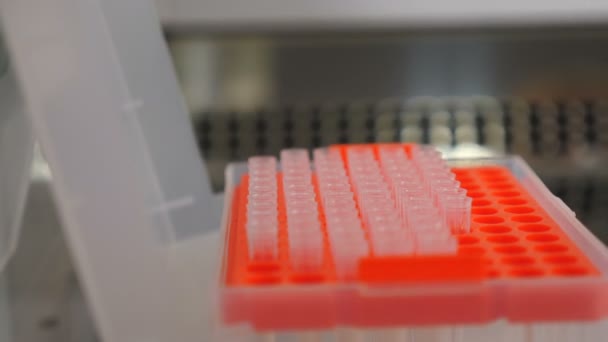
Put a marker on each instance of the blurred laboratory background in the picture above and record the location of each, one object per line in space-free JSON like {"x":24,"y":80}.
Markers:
{"x":538,"y":93}
{"x":474,"y":81}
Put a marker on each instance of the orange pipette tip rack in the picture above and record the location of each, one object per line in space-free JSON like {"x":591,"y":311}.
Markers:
{"x":516,"y":262}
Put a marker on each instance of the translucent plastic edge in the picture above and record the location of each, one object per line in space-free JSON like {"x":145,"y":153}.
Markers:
{"x":15,"y":228}
{"x":8,"y":87}
{"x":231,"y":175}
{"x":498,"y":330}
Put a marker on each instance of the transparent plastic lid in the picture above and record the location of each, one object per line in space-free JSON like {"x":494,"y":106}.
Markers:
{"x":128,"y":180}
{"x":16,"y":148}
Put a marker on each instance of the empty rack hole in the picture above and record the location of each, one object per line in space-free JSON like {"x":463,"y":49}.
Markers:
{"x":519,"y":210}
{"x":491,"y":172}
{"x":484,"y":211}
{"x":465,"y":179}
{"x":512,"y":201}
{"x":471,"y":186}
{"x":527,"y":272}
{"x":501,"y":186}
{"x":467,"y":240}
{"x":496,"y":179}
{"x":561,"y":259}
{"x":551,"y":248}
{"x":495,"y":229}
{"x":475,"y":194}
{"x":527,"y":218}
{"x":542,"y":237}
{"x":507,"y":193}
{"x":471,"y":250}
{"x":481,"y":203}
{"x":503,"y":239}
{"x":489,"y":219}
{"x":570,"y":271}
{"x":510,"y":249}
{"x":518,"y":260}
{"x":534,"y":228}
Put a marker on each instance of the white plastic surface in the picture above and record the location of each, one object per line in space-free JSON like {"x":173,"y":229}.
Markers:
{"x":127,"y":178}
{"x":16,"y":151}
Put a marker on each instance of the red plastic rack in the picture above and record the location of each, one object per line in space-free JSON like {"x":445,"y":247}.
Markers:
{"x":516,"y":263}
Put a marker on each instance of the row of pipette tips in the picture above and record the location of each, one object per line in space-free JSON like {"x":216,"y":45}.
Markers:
{"x":406,"y":206}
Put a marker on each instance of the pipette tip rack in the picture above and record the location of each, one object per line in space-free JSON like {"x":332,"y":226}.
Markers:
{"x":387,"y":235}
